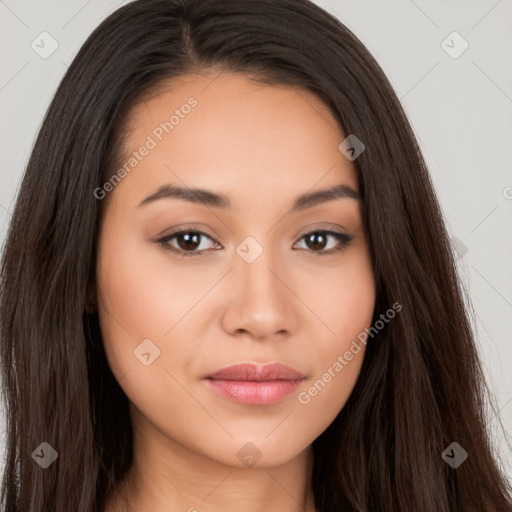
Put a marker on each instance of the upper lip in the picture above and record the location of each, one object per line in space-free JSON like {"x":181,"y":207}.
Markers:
{"x":255,"y":372}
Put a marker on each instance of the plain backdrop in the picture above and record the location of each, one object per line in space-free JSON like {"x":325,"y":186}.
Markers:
{"x":449,"y":63}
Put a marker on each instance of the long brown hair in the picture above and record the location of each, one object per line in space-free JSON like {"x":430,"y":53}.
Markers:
{"x":421,"y":386}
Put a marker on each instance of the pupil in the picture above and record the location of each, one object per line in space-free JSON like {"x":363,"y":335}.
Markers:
{"x":191,"y":240}
{"x":316,"y":245}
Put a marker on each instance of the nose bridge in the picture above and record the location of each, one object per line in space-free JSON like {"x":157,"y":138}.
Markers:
{"x":261,"y":302}
{"x":257,"y":268}
{"x":256,"y":272}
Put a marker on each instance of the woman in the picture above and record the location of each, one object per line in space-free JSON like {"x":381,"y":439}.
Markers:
{"x":227,"y":282}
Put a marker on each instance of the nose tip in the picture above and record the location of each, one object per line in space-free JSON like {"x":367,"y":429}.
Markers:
{"x":260,"y":302}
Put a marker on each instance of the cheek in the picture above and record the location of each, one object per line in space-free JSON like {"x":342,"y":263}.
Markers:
{"x":346,"y":307}
{"x":325,"y":396}
{"x":143,"y":295}
{"x":337,"y":362}
{"x":342,"y":295}
{"x":146,"y":292}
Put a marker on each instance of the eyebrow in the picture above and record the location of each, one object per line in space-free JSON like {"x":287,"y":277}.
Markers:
{"x":214,"y":200}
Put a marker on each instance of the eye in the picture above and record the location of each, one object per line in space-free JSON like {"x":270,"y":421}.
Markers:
{"x":319,"y":240}
{"x":188,"y":242}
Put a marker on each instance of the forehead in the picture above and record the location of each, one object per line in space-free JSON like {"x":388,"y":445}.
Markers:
{"x":233,"y":131}
{"x":228,"y":92}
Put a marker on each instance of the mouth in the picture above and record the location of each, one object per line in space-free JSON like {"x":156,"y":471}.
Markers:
{"x":252,"y":384}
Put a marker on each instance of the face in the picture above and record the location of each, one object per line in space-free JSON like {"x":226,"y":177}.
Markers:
{"x":256,"y":277}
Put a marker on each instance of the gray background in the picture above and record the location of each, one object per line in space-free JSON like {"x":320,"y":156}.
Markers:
{"x":460,"y":107}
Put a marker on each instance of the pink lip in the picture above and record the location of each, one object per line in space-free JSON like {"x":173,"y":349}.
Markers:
{"x":255,"y":385}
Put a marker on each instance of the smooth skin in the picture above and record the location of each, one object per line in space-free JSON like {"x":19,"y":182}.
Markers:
{"x":262,"y":146}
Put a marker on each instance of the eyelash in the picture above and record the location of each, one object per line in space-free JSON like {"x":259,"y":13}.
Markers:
{"x":343,"y":238}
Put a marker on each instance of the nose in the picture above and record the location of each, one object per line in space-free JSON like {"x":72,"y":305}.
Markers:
{"x":261,"y":302}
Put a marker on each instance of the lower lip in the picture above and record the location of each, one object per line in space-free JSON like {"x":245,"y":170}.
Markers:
{"x":252,"y":392}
